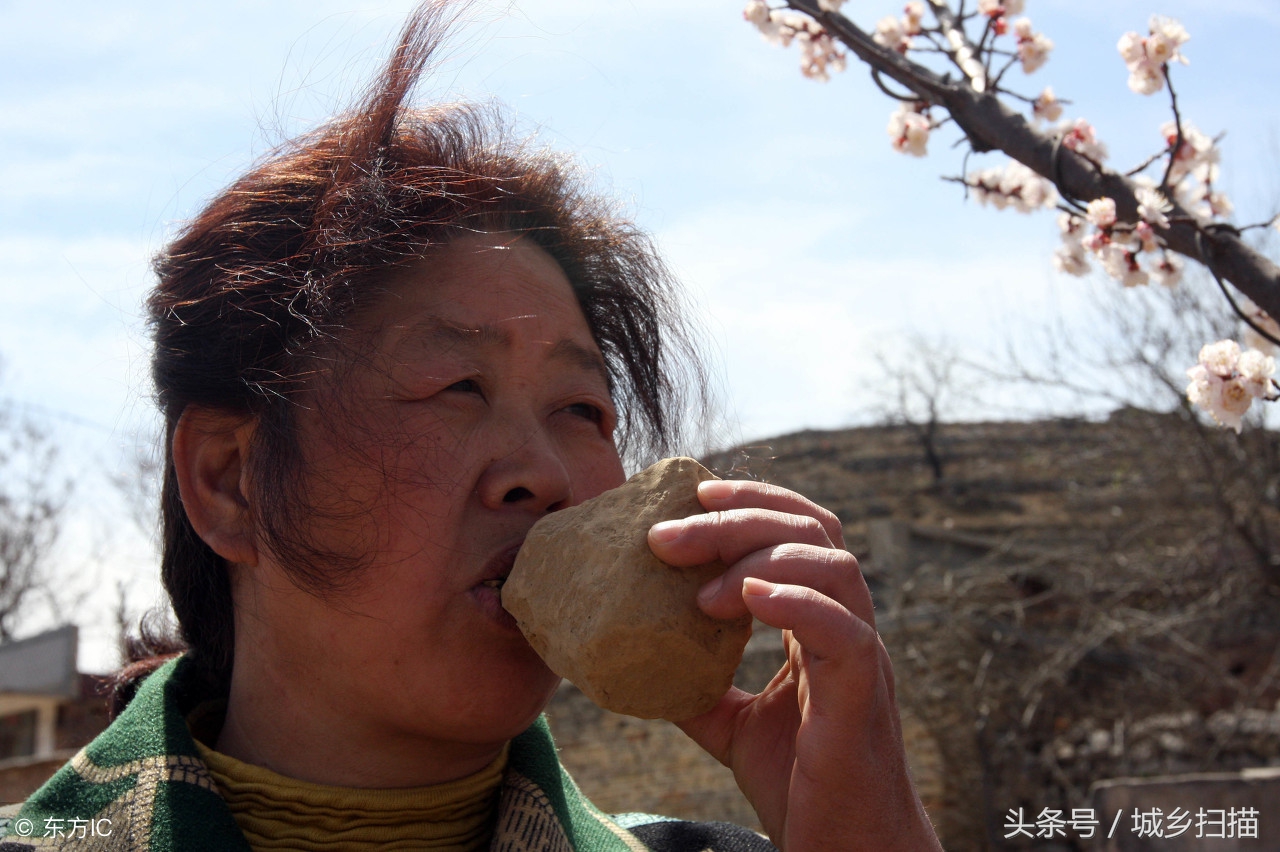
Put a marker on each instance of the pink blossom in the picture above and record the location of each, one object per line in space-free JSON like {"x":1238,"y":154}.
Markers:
{"x":1096,"y":242}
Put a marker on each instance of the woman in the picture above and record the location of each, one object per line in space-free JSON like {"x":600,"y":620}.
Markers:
{"x":382,"y":355}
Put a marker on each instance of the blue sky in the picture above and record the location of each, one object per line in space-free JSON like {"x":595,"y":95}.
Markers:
{"x":805,"y":242}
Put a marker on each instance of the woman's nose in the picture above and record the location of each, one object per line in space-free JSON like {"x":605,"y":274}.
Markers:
{"x":529,"y":473}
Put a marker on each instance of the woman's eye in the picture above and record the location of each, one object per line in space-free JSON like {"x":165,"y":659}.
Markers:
{"x":586,"y":410}
{"x":465,"y":386}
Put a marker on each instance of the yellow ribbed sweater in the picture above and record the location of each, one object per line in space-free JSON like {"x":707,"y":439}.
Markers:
{"x":276,"y":812}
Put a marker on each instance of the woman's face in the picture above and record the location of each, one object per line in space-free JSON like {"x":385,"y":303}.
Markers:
{"x":480,"y":405}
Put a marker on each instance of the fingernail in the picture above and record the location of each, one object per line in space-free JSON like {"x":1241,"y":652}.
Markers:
{"x":666,"y":531}
{"x":710,"y":590}
{"x":757,"y":587}
{"x":714,"y":490}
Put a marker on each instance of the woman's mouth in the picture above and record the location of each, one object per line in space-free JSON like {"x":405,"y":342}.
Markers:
{"x":488,"y":592}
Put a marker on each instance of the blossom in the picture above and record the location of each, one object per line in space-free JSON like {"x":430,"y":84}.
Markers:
{"x":909,"y":129}
{"x":1132,"y":49}
{"x":1102,"y":212}
{"x":1033,"y":48}
{"x":1167,"y":35}
{"x":1146,"y":79}
{"x":1122,"y":265}
{"x":1226,"y":381}
{"x":891,"y":34}
{"x":1146,"y":57}
{"x":1014,"y":185}
{"x":913,"y":17}
{"x":1167,"y":270}
{"x":1145,"y":236}
{"x":830,"y":5}
{"x":1152,"y":206}
{"x":1081,"y":138}
{"x":1071,"y":259}
{"x":1097,"y":242}
{"x":819,"y":53}
{"x":757,"y":12}
{"x":1047,"y":107}
{"x":1257,"y":316}
{"x":1256,"y":370}
{"x":1220,"y":358}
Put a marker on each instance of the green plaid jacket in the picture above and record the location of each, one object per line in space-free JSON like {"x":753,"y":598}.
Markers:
{"x":140,"y":786}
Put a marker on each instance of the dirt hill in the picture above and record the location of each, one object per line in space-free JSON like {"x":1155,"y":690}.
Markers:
{"x":1071,"y":601}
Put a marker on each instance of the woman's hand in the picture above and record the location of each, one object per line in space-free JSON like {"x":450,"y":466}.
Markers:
{"x":819,"y":751}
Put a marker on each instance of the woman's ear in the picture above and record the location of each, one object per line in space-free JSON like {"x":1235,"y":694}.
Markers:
{"x":210,"y":457}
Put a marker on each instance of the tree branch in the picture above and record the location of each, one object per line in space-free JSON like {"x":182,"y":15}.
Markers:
{"x":991,"y":125}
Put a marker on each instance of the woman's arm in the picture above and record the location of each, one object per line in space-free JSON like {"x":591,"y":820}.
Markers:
{"x":818,"y":752}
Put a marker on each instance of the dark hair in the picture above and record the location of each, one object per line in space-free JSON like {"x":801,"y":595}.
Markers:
{"x":272,"y":269}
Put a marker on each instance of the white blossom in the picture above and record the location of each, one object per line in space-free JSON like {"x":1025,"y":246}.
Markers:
{"x":1122,"y":265}
{"x":909,"y":130}
{"x":1132,"y":49}
{"x":1226,"y":381}
{"x":1167,"y":35}
{"x":1146,"y":79}
{"x":1081,"y":138}
{"x":1047,"y":107}
{"x":1071,"y":259}
{"x":990,"y":8}
{"x":1033,"y":48}
{"x":1220,"y":358}
{"x":891,"y":34}
{"x":1101,"y":212}
{"x":1146,"y":57}
{"x":913,"y":17}
{"x":757,"y":12}
{"x":1014,"y":185}
{"x":830,"y":5}
{"x":1152,"y":206}
{"x":1257,"y":316}
{"x":1256,"y":370}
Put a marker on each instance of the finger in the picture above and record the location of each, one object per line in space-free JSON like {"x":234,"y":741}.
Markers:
{"x":731,"y":535}
{"x":833,"y":573}
{"x":714,"y":730}
{"x":721,"y":494}
{"x":827,"y":631}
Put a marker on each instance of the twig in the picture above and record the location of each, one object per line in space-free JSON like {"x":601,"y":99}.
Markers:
{"x":1176,"y":149}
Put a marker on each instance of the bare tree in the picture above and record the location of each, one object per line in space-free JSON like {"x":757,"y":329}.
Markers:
{"x":919,"y":392}
{"x":32,"y":500}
